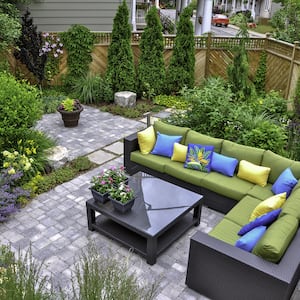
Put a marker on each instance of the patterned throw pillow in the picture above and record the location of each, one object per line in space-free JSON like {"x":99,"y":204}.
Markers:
{"x":199,"y":157}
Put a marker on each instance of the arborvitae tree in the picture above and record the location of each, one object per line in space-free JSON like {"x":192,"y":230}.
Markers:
{"x":151,"y":68}
{"x":182,"y":65}
{"x":29,"y":48}
{"x":260,"y":76}
{"x":238,"y":71}
{"x":120,"y":64}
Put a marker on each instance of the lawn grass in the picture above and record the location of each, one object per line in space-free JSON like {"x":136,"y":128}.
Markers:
{"x":263,"y":29}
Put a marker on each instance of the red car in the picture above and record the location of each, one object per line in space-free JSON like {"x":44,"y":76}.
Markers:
{"x":220,"y":20}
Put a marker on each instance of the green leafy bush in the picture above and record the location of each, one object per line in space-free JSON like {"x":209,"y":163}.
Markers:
{"x":268,"y":136}
{"x":79,"y":43}
{"x":171,"y":101}
{"x":213,"y":111}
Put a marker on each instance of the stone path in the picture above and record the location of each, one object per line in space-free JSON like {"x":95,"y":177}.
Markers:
{"x":55,"y":222}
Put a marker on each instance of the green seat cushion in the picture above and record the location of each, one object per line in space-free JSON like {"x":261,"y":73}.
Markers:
{"x":277,"y":238}
{"x":226,"y":231}
{"x":169,"y":129}
{"x":194,"y":137}
{"x":277,"y":164}
{"x":292,"y":205}
{"x":231,"y":187}
{"x":177,"y":170}
{"x":241,"y":212}
{"x":155,"y":162}
{"x":240,"y":152}
{"x":260,"y":192}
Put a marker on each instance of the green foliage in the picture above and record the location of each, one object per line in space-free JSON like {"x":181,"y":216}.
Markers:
{"x":287,"y":22}
{"x":171,"y":101}
{"x":93,"y":89}
{"x":213,"y":111}
{"x":238,"y":71}
{"x":120,"y":65}
{"x":261,"y":72}
{"x":182,"y":64}
{"x":21,"y":277}
{"x":42,"y":184}
{"x":10,"y":31}
{"x":81,"y":163}
{"x":51,"y":102}
{"x":273,"y":104}
{"x":151,"y":68}
{"x":29,"y":48}
{"x":104,"y":277}
{"x":266,"y":135}
{"x":21,"y":107}
{"x":294,"y":127}
{"x":79,"y":43}
{"x":131,"y":112}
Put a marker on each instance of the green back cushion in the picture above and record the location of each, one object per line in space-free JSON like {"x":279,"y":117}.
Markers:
{"x":292,"y":205}
{"x":277,"y":164}
{"x":276,"y":239}
{"x":194,"y":137}
{"x":169,"y":129}
{"x":251,"y":154}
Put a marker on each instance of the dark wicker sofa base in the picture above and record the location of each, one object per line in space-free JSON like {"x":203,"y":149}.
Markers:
{"x":219,"y":270}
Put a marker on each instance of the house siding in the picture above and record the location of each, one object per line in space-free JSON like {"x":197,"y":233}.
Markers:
{"x":55,"y":15}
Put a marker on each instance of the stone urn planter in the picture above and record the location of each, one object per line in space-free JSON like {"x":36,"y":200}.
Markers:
{"x":70,"y":110}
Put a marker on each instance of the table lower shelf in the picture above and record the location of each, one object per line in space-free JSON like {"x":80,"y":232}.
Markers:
{"x":136,"y":241}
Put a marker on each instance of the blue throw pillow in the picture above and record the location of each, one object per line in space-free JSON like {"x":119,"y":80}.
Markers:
{"x":265,"y":219}
{"x":248,"y":241}
{"x":223,"y":164}
{"x":284,"y":183}
{"x":164,"y":144}
{"x":198,"y":157}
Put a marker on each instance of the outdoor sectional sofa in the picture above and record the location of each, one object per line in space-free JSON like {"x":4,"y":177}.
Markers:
{"x":216,"y":267}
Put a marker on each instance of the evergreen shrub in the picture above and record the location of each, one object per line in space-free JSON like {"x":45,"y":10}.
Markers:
{"x":151,"y":68}
{"x":180,"y":72}
{"x":120,"y":65}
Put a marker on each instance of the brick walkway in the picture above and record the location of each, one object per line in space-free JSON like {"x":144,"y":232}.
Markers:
{"x":55,"y":223}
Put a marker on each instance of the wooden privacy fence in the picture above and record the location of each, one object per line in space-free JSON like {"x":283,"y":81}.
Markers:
{"x":213,"y":55}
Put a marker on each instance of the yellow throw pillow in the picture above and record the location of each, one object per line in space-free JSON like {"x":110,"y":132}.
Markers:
{"x":146,"y":140}
{"x":179,"y":152}
{"x":268,"y":205}
{"x":253,"y":173}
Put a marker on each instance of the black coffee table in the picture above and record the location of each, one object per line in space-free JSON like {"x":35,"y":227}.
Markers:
{"x":160,"y":215}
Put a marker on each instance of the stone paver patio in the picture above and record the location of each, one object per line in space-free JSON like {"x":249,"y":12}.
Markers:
{"x":55,"y":222}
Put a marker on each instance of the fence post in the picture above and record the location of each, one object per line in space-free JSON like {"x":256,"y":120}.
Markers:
{"x":288,"y":87}
{"x":208,"y":45}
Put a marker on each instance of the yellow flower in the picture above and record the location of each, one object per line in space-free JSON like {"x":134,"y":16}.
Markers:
{"x":6,"y":165}
{"x":11,"y":171}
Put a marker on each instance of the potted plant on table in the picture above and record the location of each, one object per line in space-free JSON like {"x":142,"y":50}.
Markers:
{"x":108,"y":179}
{"x":122,"y":197}
{"x":70,"y":110}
